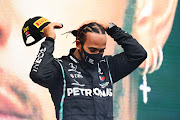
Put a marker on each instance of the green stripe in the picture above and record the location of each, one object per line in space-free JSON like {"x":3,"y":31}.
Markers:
{"x":129,"y":16}
{"x":64,"y":93}
{"x":129,"y":19}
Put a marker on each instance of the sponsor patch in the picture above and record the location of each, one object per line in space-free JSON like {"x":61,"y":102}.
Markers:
{"x":25,"y":29}
{"x":27,"y":34}
{"x":76,"y":91}
{"x":73,"y":68}
{"x":38,"y":23}
{"x":91,"y":61}
{"x":39,"y":59}
{"x":103,"y":85}
{"x":102,"y":77}
{"x":76,"y":76}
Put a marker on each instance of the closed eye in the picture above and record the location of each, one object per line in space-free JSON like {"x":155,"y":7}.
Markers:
{"x":93,"y":49}
{"x":102,"y":50}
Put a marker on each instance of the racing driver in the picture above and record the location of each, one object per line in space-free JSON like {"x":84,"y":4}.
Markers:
{"x":81,"y":83}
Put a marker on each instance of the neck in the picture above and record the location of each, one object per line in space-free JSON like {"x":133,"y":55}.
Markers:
{"x":77,"y":55}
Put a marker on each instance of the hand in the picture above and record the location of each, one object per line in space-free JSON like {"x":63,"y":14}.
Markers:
{"x":103,"y":24}
{"x":49,"y":29}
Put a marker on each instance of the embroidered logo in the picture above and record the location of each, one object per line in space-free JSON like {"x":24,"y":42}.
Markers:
{"x":102,"y":77}
{"x":73,"y":68}
{"x":103,"y":85}
{"x":77,"y":83}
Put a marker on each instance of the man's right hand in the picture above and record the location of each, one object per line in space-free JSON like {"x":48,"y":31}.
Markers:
{"x":49,"y":29}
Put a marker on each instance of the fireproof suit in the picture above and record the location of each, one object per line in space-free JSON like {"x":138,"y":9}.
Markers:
{"x":82,"y":92}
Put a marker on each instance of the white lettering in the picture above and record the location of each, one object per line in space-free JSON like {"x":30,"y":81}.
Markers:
{"x":69,"y":91}
{"x":103,"y":93}
{"x":39,"y":59}
{"x":76,"y":91}
{"x":72,"y":76}
{"x":88,"y":92}
{"x":96,"y":91}
{"x":91,"y":61}
{"x":76,"y":76}
{"x":109,"y":92}
{"x":82,"y":90}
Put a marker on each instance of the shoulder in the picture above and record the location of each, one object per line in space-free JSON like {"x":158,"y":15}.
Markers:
{"x":64,"y":61}
{"x":61,"y":59}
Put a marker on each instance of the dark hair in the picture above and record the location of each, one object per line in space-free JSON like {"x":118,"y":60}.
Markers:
{"x":80,"y":34}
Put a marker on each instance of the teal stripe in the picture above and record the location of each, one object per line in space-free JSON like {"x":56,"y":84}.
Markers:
{"x":64,"y":92}
{"x":109,"y":73}
{"x":129,"y":16}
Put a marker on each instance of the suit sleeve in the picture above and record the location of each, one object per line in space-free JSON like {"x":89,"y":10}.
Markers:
{"x":124,"y":63}
{"x":44,"y":71}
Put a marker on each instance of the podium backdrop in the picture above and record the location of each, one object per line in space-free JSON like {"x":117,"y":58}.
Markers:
{"x":154,"y":23}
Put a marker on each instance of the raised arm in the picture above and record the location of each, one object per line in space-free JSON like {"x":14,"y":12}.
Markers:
{"x":134,"y":54}
{"x":43,"y":71}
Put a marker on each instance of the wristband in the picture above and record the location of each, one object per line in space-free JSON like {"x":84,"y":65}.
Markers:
{"x":111,"y":25}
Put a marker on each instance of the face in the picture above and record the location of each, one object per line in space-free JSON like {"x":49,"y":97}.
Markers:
{"x":95,"y":43}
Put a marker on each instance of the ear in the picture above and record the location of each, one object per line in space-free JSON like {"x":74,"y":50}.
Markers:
{"x":78,"y":45}
{"x":154,"y":18}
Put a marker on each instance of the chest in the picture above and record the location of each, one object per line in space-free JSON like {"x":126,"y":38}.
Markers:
{"x":87,"y":82}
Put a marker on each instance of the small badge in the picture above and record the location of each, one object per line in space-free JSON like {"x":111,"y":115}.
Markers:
{"x":102,"y":77}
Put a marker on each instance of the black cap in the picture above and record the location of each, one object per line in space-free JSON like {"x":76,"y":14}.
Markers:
{"x":34,"y":27}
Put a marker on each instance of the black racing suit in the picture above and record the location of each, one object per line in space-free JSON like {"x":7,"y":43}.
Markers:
{"x":80,"y":92}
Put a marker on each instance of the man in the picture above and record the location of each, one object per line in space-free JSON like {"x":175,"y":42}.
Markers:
{"x":81,"y":83}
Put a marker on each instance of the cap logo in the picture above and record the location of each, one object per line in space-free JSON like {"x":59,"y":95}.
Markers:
{"x":38,"y":23}
{"x":27,"y":34}
{"x":25,"y":29}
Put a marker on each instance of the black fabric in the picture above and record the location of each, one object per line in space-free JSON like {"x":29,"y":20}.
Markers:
{"x":88,"y":91}
{"x":124,"y":63}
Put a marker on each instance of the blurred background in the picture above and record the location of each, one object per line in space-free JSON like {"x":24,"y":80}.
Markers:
{"x":155,"y":25}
